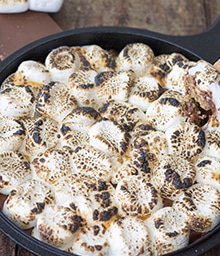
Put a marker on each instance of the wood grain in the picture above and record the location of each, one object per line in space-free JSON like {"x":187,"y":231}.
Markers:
{"x":7,"y":247}
{"x":164,"y":16}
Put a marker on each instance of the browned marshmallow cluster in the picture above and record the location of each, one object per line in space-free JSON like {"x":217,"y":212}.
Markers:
{"x":106,"y":153}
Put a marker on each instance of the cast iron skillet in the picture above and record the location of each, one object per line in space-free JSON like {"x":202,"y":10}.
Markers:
{"x":205,"y":45}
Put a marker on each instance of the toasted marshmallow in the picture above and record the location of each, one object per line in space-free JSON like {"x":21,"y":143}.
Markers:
{"x":57,"y":226}
{"x":175,"y":79}
{"x":62,"y":62}
{"x":26,"y":201}
{"x":12,"y":134}
{"x":122,"y":171}
{"x":75,"y":126}
{"x":13,"y":6}
{"x":129,"y":236}
{"x":31,"y":73}
{"x":42,"y":134}
{"x":147,"y":151}
{"x":173,"y":175}
{"x":208,"y":171}
{"x":160,"y":67}
{"x":212,"y":145}
{"x":185,"y":139}
{"x":142,"y":129}
{"x":144,"y":91}
{"x":167,"y":110}
{"x":17,"y":101}
{"x":113,"y":85}
{"x":91,"y":161}
{"x":204,"y":71}
{"x":45,"y":5}
{"x":125,"y":114}
{"x":201,"y":206}
{"x":91,"y":197}
{"x":137,"y":57}
{"x":15,"y":169}
{"x":137,"y":197}
{"x":55,"y":101}
{"x":169,"y":230}
{"x":82,"y":86}
{"x":91,"y":240}
{"x":53,"y":165}
{"x":96,"y":58}
{"x":163,"y":64}
{"x":109,"y":137}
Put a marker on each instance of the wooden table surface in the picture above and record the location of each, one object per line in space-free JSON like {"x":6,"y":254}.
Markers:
{"x":179,"y":17}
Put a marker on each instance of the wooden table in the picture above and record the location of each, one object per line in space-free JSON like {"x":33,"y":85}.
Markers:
{"x":179,"y":17}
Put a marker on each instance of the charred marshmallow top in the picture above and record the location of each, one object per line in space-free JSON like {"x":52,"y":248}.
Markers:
{"x":106,"y":153}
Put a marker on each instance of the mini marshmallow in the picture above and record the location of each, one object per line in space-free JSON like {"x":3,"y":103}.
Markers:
{"x":113,"y":85}
{"x":14,"y":6}
{"x":138,"y":57}
{"x":45,"y":5}
{"x":91,"y":240}
{"x":109,"y":137}
{"x":129,"y":236}
{"x":200,"y":204}
{"x":168,"y":230}
{"x":31,"y":73}
{"x":61,"y":63}
{"x":137,"y":197}
{"x":12,"y":134}
{"x":55,"y":100}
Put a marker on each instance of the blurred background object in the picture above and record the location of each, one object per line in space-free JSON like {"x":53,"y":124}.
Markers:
{"x":164,"y":16}
{"x":18,"y":6}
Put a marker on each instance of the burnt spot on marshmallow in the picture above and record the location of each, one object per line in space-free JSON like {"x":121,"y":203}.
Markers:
{"x":137,"y":57}
{"x":82,"y":85}
{"x":55,"y":100}
{"x":57,"y":225}
{"x":137,"y":197}
{"x":207,"y":168}
{"x":169,"y":230}
{"x":113,"y":85}
{"x":15,"y":169}
{"x":186,"y":139}
{"x":173,"y":175}
{"x":12,"y":134}
{"x":27,"y":201}
{"x":167,"y":110}
{"x":109,"y":137}
{"x":125,"y":114}
{"x":200,"y":205}
{"x":41,"y":134}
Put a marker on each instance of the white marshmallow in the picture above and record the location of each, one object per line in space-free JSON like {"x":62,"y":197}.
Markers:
{"x":55,"y":100}
{"x":129,"y":236}
{"x":13,"y":6}
{"x":57,"y":226}
{"x":200,"y":205}
{"x":62,"y":62}
{"x":26,"y":202}
{"x":91,"y":240}
{"x":45,"y":5}
{"x":137,"y":197}
{"x":168,"y":230}
{"x":15,"y":169}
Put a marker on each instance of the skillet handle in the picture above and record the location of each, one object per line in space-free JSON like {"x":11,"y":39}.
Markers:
{"x":206,"y":44}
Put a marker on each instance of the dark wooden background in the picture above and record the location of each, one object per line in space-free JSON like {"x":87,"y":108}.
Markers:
{"x":174,"y":17}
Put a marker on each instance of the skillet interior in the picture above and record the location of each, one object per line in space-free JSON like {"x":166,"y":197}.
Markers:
{"x":108,"y":38}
